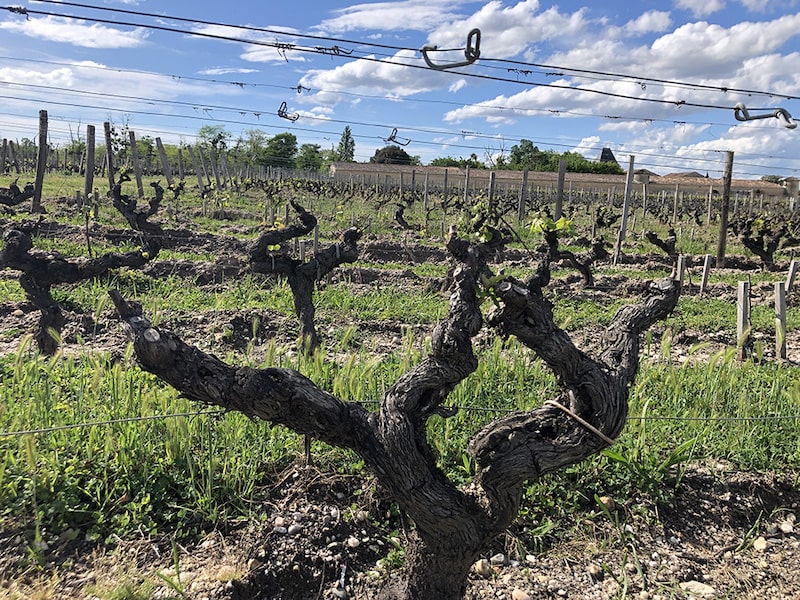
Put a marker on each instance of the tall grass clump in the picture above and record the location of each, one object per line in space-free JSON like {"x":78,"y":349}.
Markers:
{"x":88,"y":445}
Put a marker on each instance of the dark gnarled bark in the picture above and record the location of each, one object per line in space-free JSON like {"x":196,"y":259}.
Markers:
{"x":14,"y":196}
{"x":582,"y":263}
{"x":667,"y":245}
{"x":138,"y":219}
{"x":452,"y":525}
{"x":41,"y":271}
{"x":267,"y":256}
{"x":763,"y":237}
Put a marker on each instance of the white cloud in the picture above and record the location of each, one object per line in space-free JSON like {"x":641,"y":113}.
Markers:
{"x":388,"y":16}
{"x":770,"y":140}
{"x":77,"y":33}
{"x":757,"y":5}
{"x":508,"y":31}
{"x":711,"y":50}
{"x":373,"y":78}
{"x":226,"y":71}
{"x":505,"y":31}
{"x":588,"y":146}
{"x":624,"y":126}
{"x":651,"y":21}
{"x":701,"y":8}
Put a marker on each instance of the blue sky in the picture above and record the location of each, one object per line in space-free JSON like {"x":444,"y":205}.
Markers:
{"x":656,"y":80}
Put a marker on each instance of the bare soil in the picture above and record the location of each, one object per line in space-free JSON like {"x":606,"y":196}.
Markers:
{"x":724,"y":534}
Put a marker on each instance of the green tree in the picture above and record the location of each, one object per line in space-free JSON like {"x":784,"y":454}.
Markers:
{"x":215,"y":136}
{"x":280,"y":151}
{"x":448,"y":161}
{"x":146,"y":151}
{"x":346,"y":150}
{"x":527,"y":156}
{"x":391,"y":155}
{"x":251,"y":147}
{"x":309,"y":158}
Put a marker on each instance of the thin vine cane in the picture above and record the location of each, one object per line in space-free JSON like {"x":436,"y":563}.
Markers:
{"x":582,"y":421}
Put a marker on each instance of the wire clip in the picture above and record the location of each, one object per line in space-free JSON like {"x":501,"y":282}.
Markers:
{"x":472,"y":52}
{"x":284,"y":114}
{"x":741,"y":113}
{"x":393,"y":138}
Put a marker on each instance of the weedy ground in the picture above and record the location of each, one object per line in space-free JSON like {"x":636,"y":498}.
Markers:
{"x":103,"y":494}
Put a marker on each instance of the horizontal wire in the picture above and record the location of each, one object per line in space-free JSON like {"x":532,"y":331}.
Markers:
{"x":283,"y":47}
{"x":483,"y":104}
{"x":260,"y":124}
{"x":109,"y":422}
{"x":486,"y":409}
{"x":583,"y":72}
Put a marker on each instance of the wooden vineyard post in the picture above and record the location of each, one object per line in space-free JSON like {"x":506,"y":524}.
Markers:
{"x":12,"y":157}
{"x":626,"y":206}
{"x":425,"y":200}
{"x":675,"y":205}
{"x":723,"y":215}
{"x":523,"y":196}
{"x":196,"y":166}
{"x":466,"y":186}
{"x":214,"y":169}
{"x":680,"y":270}
{"x":223,"y":165}
{"x":562,"y":168}
{"x":109,"y":155}
{"x":706,"y":272}
{"x":425,"y":193}
{"x":3,"y":156}
{"x":41,"y":163}
{"x":137,"y":166}
{"x":166,"y":168}
{"x":180,"y":164}
{"x":88,"y":180}
{"x":644,"y":206}
{"x":742,"y":318}
{"x":780,"y":320}
{"x":791,"y":275}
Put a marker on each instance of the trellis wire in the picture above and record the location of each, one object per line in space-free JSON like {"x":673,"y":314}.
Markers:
{"x":485,"y":409}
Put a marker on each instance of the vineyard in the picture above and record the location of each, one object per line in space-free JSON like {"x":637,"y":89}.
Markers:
{"x":117,"y":481}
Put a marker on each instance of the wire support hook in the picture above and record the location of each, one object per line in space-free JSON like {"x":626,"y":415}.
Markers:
{"x":472,"y":52}
{"x":741,"y":113}
{"x":393,"y":138}
{"x":283,"y":113}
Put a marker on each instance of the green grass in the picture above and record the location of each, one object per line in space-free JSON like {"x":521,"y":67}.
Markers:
{"x":186,"y":474}
{"x":189,"y":473}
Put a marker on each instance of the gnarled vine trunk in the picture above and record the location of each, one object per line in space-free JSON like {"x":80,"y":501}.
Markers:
{"x":40,"y":271}
{"x":452,"y":525}
{"x":268,"y":257}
